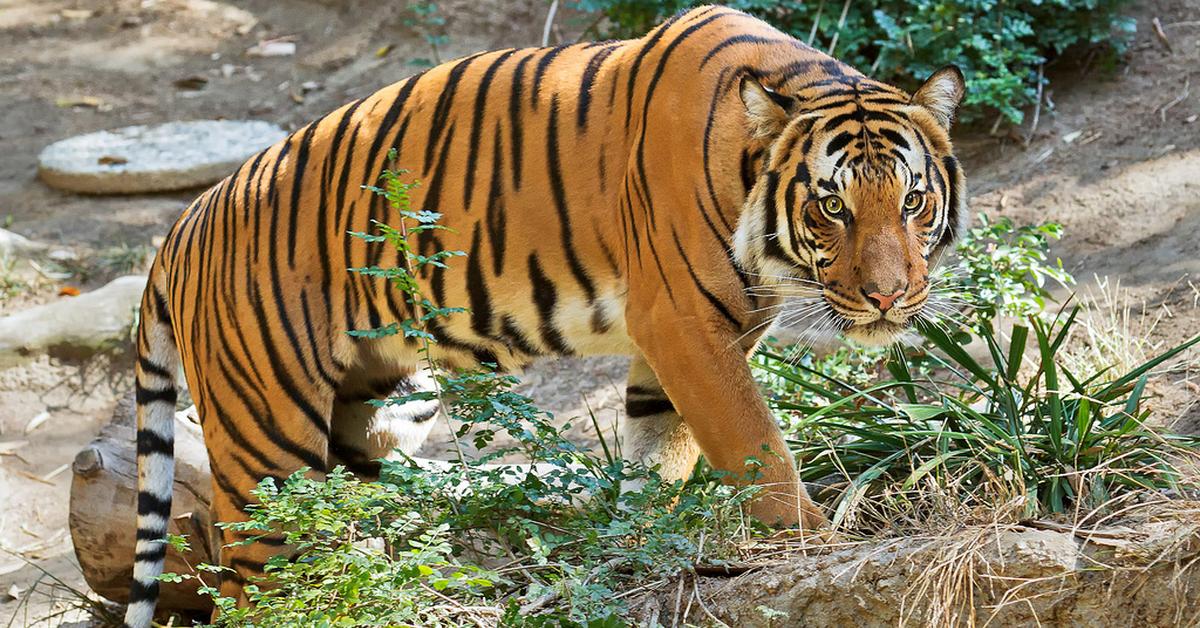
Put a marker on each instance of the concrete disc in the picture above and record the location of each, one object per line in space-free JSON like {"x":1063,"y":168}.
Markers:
{"x":171,"y":156}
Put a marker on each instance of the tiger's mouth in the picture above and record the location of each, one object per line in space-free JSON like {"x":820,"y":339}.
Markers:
{"x":876,"y":333}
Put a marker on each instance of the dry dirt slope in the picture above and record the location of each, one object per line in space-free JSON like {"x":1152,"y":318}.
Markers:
{"x":1125,"y":185}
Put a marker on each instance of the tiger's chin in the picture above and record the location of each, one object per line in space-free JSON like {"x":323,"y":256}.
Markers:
{"x":877,"y":333}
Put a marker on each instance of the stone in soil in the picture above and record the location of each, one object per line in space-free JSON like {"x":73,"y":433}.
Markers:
{"x":157,"y":158}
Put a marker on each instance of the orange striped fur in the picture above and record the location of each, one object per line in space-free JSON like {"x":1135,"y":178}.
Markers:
{"x":659,"y":198}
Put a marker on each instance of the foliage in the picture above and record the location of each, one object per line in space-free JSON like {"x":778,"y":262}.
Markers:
{"x":1059,"y":439}
{"x":423,"y":16}
{"x":362,"y":559}
{"x":999,"y":44}
{"x":1003,"y":269}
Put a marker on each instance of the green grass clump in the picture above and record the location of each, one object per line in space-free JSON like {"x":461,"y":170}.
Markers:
{"x":1060,"y":441}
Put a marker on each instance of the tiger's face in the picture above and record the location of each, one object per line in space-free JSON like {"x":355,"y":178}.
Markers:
{"x":858,"y":197}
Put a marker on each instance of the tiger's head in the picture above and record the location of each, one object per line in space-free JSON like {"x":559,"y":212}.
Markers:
{"x":857,"y":198}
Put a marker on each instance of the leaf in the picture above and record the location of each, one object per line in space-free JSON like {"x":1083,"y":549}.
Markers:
{"x":921,"y":412}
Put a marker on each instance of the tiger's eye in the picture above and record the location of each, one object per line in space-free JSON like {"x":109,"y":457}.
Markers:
{"x":832,"y":205}
{"x":914,"y":201}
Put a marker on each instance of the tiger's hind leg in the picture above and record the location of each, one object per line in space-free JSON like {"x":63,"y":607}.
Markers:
{"x":256,"y":427}
{"x":363,"y":433}
{"x":653,"y":433}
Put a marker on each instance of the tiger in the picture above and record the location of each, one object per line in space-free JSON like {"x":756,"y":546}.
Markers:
{"x":663,"y":198}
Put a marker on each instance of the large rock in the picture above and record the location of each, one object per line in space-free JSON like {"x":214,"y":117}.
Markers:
{"x":76,"y":326}
{"x":171,"y":156}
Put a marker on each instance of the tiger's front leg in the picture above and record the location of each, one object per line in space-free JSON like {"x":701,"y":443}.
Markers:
{"x":715,"y":408}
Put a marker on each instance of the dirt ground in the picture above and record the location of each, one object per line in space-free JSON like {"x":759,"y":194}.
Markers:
{"x":1115,"y":157}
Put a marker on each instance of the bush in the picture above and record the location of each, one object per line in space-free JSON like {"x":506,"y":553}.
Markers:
{"x":998,"y":44}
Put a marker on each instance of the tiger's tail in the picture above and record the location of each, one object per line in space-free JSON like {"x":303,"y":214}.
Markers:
{"x":156,"y":392}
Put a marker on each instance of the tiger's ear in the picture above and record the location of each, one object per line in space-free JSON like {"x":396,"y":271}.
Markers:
{"x":941,"y":93}
{"x":768,"y":110}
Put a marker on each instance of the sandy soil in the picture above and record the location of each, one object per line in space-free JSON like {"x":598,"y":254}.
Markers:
{"x":1116,"y":159}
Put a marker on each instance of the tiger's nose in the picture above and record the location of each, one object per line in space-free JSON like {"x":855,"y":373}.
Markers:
{"x":882,"y":301}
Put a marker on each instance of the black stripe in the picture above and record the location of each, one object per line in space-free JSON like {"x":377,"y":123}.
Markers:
{"x":427,"y":415}
{"x":637,"y":408}
{"x":560,"y":204}
{"x":712,"y":299}
{"x":149,"y":442}
{"x":894,"y":137}
{"x":149,"y":504}
{"x":839,"y":142}
{"x":145,"y":395}
{"x":770,"y":240}
{"x":648,"y":203}
{"x":952,"y":208}
{"x":515,"y":338}
{"x":749,"y":39}
{"x":650,"y":45}
{"x":585,"y":87}
{"x":143,"y":592}
{"x":156,"y":553}
{"x":147,"y":534}
{"x":514,"y":119}
{"x":496,"y":217}
{"x":477,"y":292}
{"x":298,"y":170}
{"x":443,"y":110}
{"x":543,"y":65}
{"x":481,"y":91}
{"x":151,"y":368}
{"x":545,"y":296}
{"x":160,"y":308}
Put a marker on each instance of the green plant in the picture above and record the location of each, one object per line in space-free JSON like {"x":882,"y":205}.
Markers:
{"x":12,"y":284}
{"x":1059,"y":439}
{"x":1030,"y":421}
{"x":1004,"y":269}
{"x":999,"y":44}
{"x":423,"y":16}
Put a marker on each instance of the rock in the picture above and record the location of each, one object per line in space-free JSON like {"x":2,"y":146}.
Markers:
{"x":13,"y":243}
{"x":76,"y":326}
{"x":171,"y":156}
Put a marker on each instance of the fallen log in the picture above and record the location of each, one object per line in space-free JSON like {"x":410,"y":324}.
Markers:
{"x":103,"y":510}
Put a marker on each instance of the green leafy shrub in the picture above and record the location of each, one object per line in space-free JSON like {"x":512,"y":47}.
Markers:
{"x":1004,"y":269}
{"x":999,"y":44}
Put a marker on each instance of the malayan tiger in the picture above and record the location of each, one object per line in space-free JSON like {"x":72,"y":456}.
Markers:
{"x":663,"y":198}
